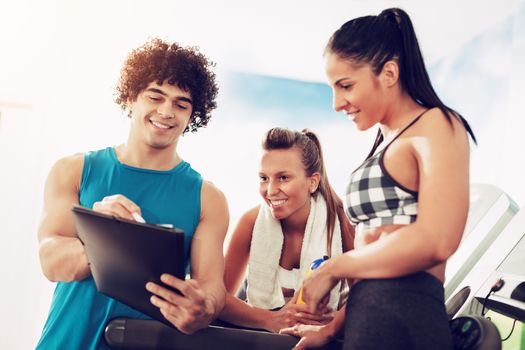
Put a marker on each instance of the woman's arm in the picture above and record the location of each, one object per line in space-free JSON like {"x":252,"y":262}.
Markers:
{"x":317,"y":336}
{"x":238,"y":252}
{"x":237,"y":311}
{"x":441,"y":153}
{"x":442,"y":156}
{"x":241,"y":313}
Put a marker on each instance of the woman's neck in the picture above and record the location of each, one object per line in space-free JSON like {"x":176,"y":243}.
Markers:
{"x":399,"y":115}
{"x":296,"y":223}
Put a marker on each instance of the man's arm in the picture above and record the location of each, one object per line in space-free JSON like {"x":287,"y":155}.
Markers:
{"x":207,"y":259}
{"x":62,"y":256}
{"x":202,"y":296}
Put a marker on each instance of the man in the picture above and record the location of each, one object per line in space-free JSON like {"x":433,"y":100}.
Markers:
{"x":167,"y":90}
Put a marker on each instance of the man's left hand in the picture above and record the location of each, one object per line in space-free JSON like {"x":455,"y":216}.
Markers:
{"x":188,"y":312}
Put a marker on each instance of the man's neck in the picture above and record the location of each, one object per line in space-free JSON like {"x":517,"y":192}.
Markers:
{"x":147,"y":157}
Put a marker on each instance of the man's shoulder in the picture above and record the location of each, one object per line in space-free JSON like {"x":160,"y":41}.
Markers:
{"x":70,"y":162}
{"x":210,"y":189}
{"x":214,"y":208}
{"x":72,"y":165}
{"x":191,"y":171}
{"x":212,"y":198}
{"x":66,"y":171}
{"x":79,"y":157}
{"x":102,"y":152}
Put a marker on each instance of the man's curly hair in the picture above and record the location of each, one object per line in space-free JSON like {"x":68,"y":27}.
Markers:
{"x":185,"y":67}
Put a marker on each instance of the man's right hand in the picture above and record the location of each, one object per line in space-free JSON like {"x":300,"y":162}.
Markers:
{"x":117,"y":205}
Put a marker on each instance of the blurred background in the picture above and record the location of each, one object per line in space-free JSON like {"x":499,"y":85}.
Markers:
{"x":60,"y":61}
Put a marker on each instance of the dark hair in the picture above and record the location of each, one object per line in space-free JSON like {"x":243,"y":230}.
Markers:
{"x":312,"y":158}
{"x":376,"y":40}
{"x":158,"y":61}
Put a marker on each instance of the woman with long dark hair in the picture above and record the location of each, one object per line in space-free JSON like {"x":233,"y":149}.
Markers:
{"x":408,"y":200}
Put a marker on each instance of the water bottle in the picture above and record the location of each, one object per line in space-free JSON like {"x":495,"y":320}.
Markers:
{"x":313,"y":266}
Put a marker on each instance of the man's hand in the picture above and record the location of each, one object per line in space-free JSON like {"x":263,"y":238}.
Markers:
{"x":117,"y":205}
{"x":188,"y":312}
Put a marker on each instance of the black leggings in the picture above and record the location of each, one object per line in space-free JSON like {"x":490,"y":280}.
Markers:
{"x":399,"y":313}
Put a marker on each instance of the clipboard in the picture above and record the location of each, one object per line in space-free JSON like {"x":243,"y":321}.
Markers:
{"x":124,"y":255}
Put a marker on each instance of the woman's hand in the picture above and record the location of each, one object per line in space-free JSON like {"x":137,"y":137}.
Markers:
{"x":311,"y":336}
{"x":292,"y":314}
{"x":317,"y":287}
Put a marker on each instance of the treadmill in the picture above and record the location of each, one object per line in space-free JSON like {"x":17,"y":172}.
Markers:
{"x":490,"y":211}
{"x":496,"y":283}
{"x":503,"y":291}
{"x":501,"y":260}
{"x":123,"y":333}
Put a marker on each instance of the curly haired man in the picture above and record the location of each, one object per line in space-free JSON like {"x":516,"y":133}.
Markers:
{"x":166,"y":90}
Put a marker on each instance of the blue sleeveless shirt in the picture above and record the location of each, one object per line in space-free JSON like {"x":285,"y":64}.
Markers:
{"x":78,"y":312}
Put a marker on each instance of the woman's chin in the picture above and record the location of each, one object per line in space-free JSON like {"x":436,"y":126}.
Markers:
{"x":278,"y":213}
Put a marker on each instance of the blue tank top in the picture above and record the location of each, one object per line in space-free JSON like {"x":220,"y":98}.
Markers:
{"x":78,"y":312}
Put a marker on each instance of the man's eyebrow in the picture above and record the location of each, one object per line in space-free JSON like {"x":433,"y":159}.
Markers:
{"x":159,"y":91}
{"x":184,"y":99}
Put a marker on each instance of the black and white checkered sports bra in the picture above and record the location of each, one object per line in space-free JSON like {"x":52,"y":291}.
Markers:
{"x":374,"y":198}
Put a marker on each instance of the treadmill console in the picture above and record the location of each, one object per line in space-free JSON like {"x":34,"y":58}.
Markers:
{"x":474,"y":332}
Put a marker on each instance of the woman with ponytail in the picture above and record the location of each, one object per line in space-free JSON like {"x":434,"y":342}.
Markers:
{"x":409,"y":199}
{"x":301,"y":219}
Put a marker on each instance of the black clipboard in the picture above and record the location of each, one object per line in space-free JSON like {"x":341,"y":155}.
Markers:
{"x":124,"y":255}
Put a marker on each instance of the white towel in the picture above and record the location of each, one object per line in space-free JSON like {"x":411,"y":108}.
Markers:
{"x":264,"y":289}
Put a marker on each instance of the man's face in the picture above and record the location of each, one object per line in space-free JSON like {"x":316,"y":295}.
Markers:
{"x":160,"y":114}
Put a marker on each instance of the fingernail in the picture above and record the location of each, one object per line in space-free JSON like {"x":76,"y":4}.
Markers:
{"x":138,"y":217}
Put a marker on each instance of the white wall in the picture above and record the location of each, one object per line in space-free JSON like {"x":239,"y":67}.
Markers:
{"x":59,"y":62}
